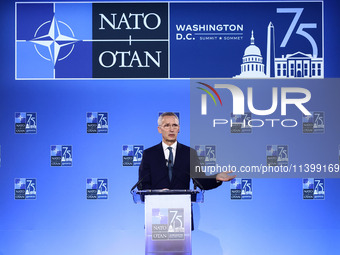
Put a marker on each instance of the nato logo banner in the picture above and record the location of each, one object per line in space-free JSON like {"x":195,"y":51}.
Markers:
{"x":97,"y":188}
{"x":277,"y":155}
{"x":167,"y":224}
{"x":61,"y":155}
{"x":25,"y":188}
{"x":313,"y":188}
{"x":26,"y":122}
{"x":241,"y":189}
{"x":240,"y":123}
{"x":130,"y":40}
{"x":132,"y":155}
{"x":97,"y":122}
{"x":248,"y":39}
{"x":60,"y":40}
{"x":314,"y":123}
{"x":91,"y":40}
{"x":206,"y":154}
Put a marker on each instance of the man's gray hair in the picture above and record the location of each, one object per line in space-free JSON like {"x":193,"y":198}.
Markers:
{"x":160,"y":118}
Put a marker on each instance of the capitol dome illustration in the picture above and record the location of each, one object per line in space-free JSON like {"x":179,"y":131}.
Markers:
{"x":252,"y":66}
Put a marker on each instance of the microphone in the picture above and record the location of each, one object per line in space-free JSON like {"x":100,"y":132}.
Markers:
{"x":196,"y":183}
{"x":168,"y":161}
{"x":139,"y":182}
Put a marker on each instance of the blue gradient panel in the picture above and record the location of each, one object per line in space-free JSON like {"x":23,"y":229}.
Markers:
{"x":37,"y":66}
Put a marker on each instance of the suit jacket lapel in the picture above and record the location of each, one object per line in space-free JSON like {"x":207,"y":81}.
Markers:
{"x":161,"y":156}
{"x":178,"y":154}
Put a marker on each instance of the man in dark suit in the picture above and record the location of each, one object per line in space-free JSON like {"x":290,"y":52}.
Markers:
{"x":167,"y":165}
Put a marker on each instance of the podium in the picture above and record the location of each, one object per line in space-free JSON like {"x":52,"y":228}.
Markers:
{"x":168,"y":219}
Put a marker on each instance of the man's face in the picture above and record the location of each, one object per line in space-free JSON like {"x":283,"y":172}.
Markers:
{"x":169,"y":129}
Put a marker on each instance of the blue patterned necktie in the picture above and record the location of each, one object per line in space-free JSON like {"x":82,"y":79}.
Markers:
{"x":170,"y":162}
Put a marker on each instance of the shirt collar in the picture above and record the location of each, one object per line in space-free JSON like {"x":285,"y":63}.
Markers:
{"x":173,"y":146}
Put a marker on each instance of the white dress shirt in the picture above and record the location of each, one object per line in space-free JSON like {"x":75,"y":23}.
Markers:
{"x":167,"y":152}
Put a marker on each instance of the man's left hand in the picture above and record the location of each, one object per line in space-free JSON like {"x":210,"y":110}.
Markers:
{"x":224,"y":177}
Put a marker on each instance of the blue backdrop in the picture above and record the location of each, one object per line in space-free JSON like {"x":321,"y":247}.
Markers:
{"x":62,"y":221}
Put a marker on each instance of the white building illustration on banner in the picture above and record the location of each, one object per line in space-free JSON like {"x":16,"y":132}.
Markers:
{"x":252,"y":66}
{"x":296,"y":65}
